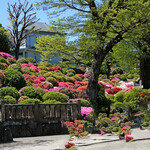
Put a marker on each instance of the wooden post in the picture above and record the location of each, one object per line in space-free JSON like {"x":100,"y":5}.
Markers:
{"x":2,"y":121}
{"x":79,"y":109}
{"x":36,"y":111}
{"x":3,"y":110}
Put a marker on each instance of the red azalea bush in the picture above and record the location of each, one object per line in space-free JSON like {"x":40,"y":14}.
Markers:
{"x":76,"y":128}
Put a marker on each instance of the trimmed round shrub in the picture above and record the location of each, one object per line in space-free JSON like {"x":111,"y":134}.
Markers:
{"x":32,"y":92}
{"x":42,"y":72}
{"x":40,"y":92}
{"x":14,"y":78}
{"x":31,"y":60}
{"x":60,"y":78}
{"x":11,"y":91}
{"x":26,"y":71}
{"x":55,"y":96}
{"x":68,"y":92}
{"x":64,"y":71}
{"x":51,"y":101}
{"x":9,"y":100}
{"x":22,"y":61}
{"x":69,"y":79}
{"x":85,"y":103}
{"x":71,"y":71}
{"x":30,"y":101}
{"x":52,"y":80}
{"x":70,"y":74}
{"x":11,"y":60}
{"x":77,"y":78}
{"x":2,"y":66}
{"x":3,"y":60}
{"x":15,"y":66}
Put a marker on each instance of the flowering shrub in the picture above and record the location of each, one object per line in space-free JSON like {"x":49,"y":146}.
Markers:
{"x":86,"y":110}
{"x":80,"y":75}
{"x":22,"y":98}
{"x":30,"y":66}
{"x":6,"y":55}
{"x":76,"y":128}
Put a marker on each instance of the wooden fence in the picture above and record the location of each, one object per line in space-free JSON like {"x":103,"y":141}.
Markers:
{"x":41,"y":113}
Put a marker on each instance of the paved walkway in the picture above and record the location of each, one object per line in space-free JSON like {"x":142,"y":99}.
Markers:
{"x":94,"y":142}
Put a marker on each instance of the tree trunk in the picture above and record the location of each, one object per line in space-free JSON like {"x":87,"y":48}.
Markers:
{"x":17,"y":51}
{"x":145,"y":69}
{"x":108,"y":71}
{"x":93,"y":86}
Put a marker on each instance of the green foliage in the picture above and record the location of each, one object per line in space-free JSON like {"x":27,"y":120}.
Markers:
{"x":101,"y":104}
{"x":32,"y":92}
{"x":68,"y":92}
{"x":22,"y":61}
{"x":55,"y":96}
{"x":52,"y":80}
{"x":9,"y":100}
{"x":31,"y":60}
{"x":30,"y":101}
{"x":117,"y":71}
{"x":51,"y":101}
{"x":69,"y":79}
{"x":11,"y":60}
{"x":15,"y":67}
{"x":4,"y":41}
{"x":85,"y":103}
{"x":43,"y":68}
{"x":145,"y":124}
{"x":14,"y":78}
{"x":26,"y":71}
{"x":119,"y":97}
{"x":45,"y":63}
{"x":11,"y":91}
{"x":110,"y":97}
{"x":3,"y":60}
{"x":77,"y":78}
{"x":2,"y":66}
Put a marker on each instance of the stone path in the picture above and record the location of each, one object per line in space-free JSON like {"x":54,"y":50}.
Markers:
{"x":94,"y":142}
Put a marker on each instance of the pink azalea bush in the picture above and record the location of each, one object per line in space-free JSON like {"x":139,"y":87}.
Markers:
{"x":86,"y":110}
{"x":30,"y":66}
{"x":6,"y":55}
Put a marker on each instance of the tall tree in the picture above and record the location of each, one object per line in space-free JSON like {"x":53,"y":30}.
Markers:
{"x":21,"y":16}
{"x":4,"y":40}
{"x":106,"y":21}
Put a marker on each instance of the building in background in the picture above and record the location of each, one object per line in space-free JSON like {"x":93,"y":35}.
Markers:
{"x":28,"y":47}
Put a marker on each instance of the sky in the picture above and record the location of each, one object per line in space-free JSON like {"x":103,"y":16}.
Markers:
{"x":4,"y":14}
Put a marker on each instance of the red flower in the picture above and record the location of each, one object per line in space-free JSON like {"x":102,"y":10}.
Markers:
{"x":128,"y":137}
{"x":69,"y":145}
